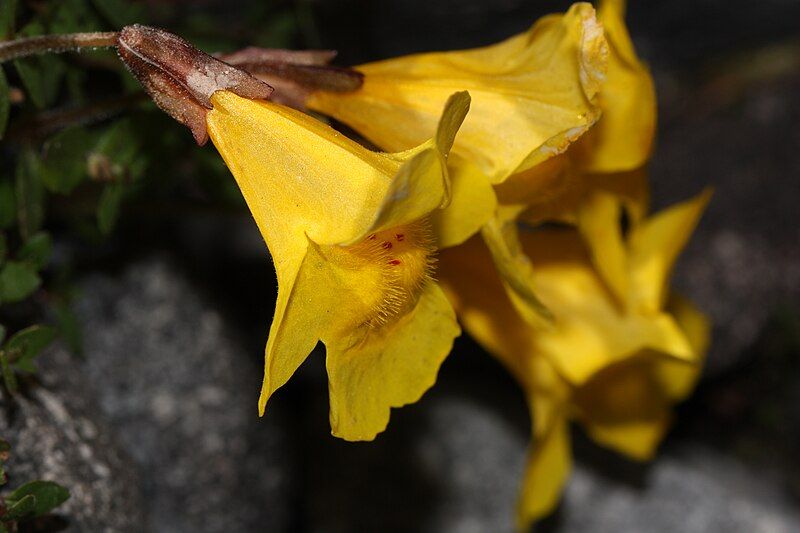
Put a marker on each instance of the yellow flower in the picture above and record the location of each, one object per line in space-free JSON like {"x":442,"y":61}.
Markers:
{"x":614,"y":364}
{"x":533,"y":94}
{"x":347,"y":229}
{"x":608,"y":162}
{"x":611,"y":155}
{"x":623,"y":139}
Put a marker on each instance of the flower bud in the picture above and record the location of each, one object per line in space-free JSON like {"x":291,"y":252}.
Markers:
{"x":180,"y":78}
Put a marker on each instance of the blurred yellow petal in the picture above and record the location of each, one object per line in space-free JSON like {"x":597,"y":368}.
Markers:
{"x":472,"y":204}
{"x":623,"y":138}
{"x":599,"y":221}
{"x":654,"y":246}
{"x":483,"y":307}
{"x":590,"y":330}
{"x":679,"y":379}
{"x":502,"y":239}
{"x":694,"y":323}
{"x":548,"y":185}
{"x":555,"y":190}
{"x":547,"y":470}
{"x":348,"y":234}
{"x":623,"y":406}
{"x":532,"y":94}
{"x":390,"y":367}
{"x":468,"y":276}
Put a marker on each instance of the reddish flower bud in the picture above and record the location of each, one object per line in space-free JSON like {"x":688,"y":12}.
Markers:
{"x":180,"y":78}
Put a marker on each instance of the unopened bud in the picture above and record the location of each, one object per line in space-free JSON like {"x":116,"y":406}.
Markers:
{"x":180,"y":78}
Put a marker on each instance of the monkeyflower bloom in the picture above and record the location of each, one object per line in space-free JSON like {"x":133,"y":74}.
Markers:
{"x":613,"y":361}
{"x":611,"y":156}
{"x":348,"y":228}
{"x":532,"y":95}
{"x":348,"y":232}
{"x":608,"y":161}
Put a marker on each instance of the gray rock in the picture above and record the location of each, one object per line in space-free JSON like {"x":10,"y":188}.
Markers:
{"x":689,"y":490}
{"x":454,"y":463}
{"x":181,"y":394}
{"x":744,"y":261}
{"x":478,"y":459}
{"x":58,"y":434}
{"x":451,"y":463}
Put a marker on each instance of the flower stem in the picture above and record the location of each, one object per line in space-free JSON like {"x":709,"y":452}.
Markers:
{"x":55,"y":44}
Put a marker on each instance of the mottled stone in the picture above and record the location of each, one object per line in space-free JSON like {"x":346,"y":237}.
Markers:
{"x":58,"y":434}
{"x":181,"y":394}
{"x":692,"y":489}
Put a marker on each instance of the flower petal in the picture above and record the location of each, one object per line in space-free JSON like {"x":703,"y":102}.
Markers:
{"x":654,"y":246}
{"x":548,"y":467}
{"x":422,"y":186}
{"x":298,"y":175}
{"x":502,"y":239}
{"x":590,"y":330}
{"x":623,"y":406}
{"x":295,"y":328}
{"x":390,"y":367}
{"x":677,"y":378}
{"x":472,"y":204}
{"x":623,"y":138}
{"x":532,"y":94}
{"x":599,"y":221}
{"x":468,"y":276}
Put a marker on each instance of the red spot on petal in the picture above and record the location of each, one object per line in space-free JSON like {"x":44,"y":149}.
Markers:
{"x":394,"y":262}
{"x":386,"y":245}
{"x":400,"y":237}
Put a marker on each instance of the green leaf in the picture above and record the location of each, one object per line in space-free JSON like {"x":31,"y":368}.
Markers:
{"x":5,"y":103}
{"x":64,"y":161}
{"x":8,"y":12}
{"x":121,"y":144}
{"x":108,"y":207}
{"x":30,"y":194}
{"x":120,"y":12}
{"x":74,"y":16}
{"x":36,"y":250}
{"x":41,"y":75}
{"x":28,"y":343}
{"x":69,"y":327}
{"x":3,"y":251}
{"x":9,"y":378}
{"x":21,"y":508}
{"x":17,"y":281}
{"x":8,"y":205}
{"x":48,"y":494}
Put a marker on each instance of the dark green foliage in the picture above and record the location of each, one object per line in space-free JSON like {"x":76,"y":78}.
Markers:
{"x":29,"y":501}
{"x":5,"y":104}
{"x":18,"y":280}
{"x":79,"y":155}
{"x":29,"y":194}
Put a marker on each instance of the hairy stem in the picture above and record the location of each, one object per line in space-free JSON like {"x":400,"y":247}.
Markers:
{"x":42,"y":44}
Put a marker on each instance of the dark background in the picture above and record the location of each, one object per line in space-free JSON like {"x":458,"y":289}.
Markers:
{"x":156,"y":428}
